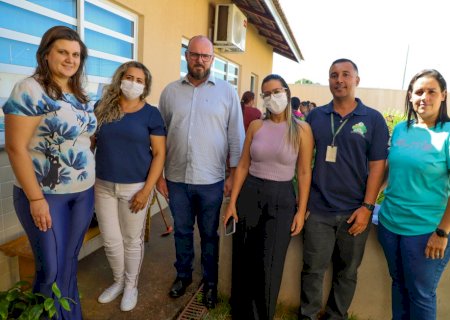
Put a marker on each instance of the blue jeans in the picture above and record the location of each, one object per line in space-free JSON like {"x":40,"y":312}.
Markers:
{"x":56,"y":250}
{"x":326,"y":239}
{"x":414,"y":277}
{"x":188,"y":202}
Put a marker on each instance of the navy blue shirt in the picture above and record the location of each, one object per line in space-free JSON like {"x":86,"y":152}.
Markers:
{"x":123,"y":152}
{"x":339,"y":187}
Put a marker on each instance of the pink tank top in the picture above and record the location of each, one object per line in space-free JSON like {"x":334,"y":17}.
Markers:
{"x":272,"y":156}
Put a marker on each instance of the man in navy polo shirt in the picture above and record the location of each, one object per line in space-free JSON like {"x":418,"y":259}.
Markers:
{"x":351,"y":150}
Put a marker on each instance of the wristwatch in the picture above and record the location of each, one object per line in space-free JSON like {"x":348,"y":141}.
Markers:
{"x":368,"y":206}
{"x":441,"y":233}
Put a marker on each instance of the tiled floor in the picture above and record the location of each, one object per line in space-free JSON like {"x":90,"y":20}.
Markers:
{"x":157,"y":275}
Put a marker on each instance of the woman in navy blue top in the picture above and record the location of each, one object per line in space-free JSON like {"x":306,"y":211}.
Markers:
{"x":130,"y":154}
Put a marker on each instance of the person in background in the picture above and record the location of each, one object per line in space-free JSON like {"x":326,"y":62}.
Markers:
{"x":295,"y":104}
{"x":305,"y":108}
{"x":414,"y":219}
{"x":263,"y":202}
{"x":351,"y":149}
{"x":312,"y":105}
{"x":130,"y":153}
{"x":204,"y":124}
{"x":249,"y":110}
{"x":48,"y":123}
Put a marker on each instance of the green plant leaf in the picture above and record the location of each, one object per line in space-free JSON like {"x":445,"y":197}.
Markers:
{"x":48,"y":304}
{"x":36,"y":311}
{"x":65,"y":304}
{"x":20,"y":305}
{"x":4,"y":304}
{"x":52,"y":312}
{"x":56,"y":290}
{"x":12,"y":294}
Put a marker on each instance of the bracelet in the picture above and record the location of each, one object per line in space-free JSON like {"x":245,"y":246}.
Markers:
{"x":31,"y":200}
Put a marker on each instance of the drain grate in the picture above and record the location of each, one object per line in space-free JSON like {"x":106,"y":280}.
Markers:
{"x":195,"y":308}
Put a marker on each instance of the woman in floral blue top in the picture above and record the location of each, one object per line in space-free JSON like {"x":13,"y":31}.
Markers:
{"x":48,"y":124}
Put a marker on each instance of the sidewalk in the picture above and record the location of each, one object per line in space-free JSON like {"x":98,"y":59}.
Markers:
{"x":157,"y":275}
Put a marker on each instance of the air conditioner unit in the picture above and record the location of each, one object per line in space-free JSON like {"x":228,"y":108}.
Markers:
{"x":230,"y":28}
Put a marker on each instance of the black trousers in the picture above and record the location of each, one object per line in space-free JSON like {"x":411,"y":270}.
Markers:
{"x":266,"y":210}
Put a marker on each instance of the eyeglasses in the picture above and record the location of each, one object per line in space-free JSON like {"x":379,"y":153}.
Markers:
{"x":204,"y":56}
{"x":275,"y":92}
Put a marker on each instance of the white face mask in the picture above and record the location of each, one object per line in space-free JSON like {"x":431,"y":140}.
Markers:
{"x":276,"y":103}
{"x":131,"y":90}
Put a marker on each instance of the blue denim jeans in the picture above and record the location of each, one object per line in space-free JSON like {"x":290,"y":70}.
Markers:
{"x":414,"y":277}
{"x":326,"y":239}
{"x":188,"y":202}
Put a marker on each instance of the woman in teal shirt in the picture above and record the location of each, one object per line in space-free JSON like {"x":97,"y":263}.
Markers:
{"x":415,"y":215}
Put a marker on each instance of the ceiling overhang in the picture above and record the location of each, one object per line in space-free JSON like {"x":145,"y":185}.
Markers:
{"x":268,"y":17}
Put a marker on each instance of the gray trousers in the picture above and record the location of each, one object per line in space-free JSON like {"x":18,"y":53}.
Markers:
{"x":326,"y":239}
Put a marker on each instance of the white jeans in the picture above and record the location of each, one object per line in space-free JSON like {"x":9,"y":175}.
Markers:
{"x":122,"y":230}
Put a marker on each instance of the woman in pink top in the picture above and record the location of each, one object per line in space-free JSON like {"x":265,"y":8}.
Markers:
{"x":263,"y":201}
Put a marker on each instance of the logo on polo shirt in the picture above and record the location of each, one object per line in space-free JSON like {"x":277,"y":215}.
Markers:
{"x":359,"y":128}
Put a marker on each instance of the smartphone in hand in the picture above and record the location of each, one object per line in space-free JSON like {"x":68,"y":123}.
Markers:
{"x":230,"y":228}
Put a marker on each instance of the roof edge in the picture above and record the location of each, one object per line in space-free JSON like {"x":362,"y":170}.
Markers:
{"x":281,"y":20}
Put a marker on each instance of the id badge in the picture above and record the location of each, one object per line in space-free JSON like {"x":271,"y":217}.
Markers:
{"x":331,"y":154}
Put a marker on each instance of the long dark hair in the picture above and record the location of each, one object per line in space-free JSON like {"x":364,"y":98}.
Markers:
{"x":409,"y":108}
{"x":43,"y":74}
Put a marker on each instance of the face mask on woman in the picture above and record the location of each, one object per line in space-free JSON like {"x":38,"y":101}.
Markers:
{"x":130,"y":89}
{"x":276,"y":103}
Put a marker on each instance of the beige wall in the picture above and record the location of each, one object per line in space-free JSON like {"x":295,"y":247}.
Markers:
{"x":163,"y":25}
{"x":380,"y":99}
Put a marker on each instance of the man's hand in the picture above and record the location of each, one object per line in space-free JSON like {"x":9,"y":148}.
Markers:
{"x":360,"y":219}
{"x":227,"y":186}
{"x":161,"y":186}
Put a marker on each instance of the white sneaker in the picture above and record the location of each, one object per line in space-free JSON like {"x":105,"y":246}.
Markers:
{"x":129,"y":299}
{"x":111,"y":293}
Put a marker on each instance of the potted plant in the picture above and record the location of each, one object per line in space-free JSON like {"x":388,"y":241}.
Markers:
{"x":20,"y":303}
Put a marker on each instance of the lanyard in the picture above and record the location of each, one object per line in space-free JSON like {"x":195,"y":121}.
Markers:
{"x":338,"y":130}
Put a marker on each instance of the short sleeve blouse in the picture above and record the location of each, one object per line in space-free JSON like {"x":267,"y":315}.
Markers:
{"x":60,"y":146}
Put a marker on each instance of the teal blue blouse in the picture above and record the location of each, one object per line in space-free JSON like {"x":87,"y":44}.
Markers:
{"x":418,"y":182}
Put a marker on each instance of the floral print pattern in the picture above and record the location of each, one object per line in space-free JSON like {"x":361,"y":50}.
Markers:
{"x":60,"y":146}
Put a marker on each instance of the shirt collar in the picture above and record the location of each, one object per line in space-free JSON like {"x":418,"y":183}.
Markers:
{"x":211,"y":79}
{"x":360,"y":109}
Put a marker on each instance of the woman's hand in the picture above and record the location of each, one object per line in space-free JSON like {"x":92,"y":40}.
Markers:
{"x":436,"y":247}
{"x":230,"y":212}
{"x":139,"y":201}
{"x":40,"y":213}
{"x":297,"y":223}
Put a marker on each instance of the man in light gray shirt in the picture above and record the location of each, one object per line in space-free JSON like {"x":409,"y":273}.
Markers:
{"x":204,"y":124}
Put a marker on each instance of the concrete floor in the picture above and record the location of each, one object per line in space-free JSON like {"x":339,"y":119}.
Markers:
{"x":157,"y":275}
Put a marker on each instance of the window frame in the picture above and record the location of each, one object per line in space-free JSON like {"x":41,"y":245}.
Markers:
{"x":81,"y":24}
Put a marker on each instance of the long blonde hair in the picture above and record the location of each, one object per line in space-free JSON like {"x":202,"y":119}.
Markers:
{"x":293,"y":126}
{"x":108,"y":109}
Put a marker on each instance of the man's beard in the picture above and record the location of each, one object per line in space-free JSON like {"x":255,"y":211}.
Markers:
{"x":199,"y":75}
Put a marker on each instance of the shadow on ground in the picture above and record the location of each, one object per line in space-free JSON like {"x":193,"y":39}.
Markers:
{"x":157,"y":275}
